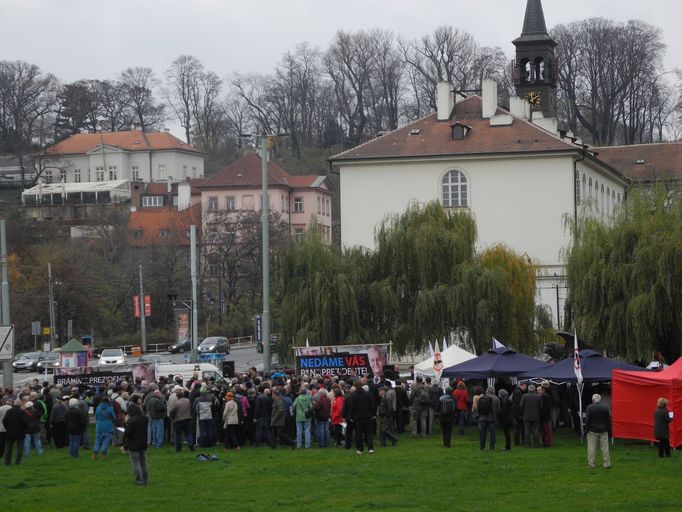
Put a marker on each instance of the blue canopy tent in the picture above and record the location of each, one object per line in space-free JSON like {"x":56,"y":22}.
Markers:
{"x":595,"y":368}
{"x":501,"y":362}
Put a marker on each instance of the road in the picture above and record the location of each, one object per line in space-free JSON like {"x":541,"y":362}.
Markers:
{"x":244,"y":358}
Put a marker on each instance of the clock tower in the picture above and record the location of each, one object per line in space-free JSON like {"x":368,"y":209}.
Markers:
{"x":536,"y":68}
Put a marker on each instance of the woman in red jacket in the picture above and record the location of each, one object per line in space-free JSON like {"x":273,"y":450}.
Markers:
{"x":337,"y":417}
{"x":461,"y":396}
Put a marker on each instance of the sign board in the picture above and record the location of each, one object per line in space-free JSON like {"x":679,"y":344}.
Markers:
{"x":182,"y":321}
{"x":6,"y":342}
{"x":93,"y":379}
{"x":343,"y":360}
{"x":35,"y":329}
{"x":46,"y":331}
{"x":147,"y":305}
{"x":259,"y":327}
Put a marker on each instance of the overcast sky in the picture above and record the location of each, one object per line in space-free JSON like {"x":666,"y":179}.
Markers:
{"x":77,"y":39}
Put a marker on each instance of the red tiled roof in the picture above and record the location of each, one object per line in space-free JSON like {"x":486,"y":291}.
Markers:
{"x":247,"y":172}
{"x":435,"y":137}
{"x":156,"y":188}
{"x":134,"y":140}
{"x":645,"y":161}
{"x":150,"y":222}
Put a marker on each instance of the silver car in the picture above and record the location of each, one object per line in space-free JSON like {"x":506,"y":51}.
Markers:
{"x":112,"y":357}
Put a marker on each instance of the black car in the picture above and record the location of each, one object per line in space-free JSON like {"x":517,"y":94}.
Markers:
{"x":49,"y":362}
{"x":181,"y":346}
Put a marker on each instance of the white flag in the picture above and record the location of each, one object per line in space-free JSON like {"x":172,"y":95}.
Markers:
{"x":576,"y":359}
{"x":431,"y":352}
{"x":306,"y":342}
{"x":445,"y":345}
{"x":497,"y":345}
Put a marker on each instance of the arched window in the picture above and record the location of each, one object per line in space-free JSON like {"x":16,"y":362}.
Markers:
{"x":539,"y":69}
{"x":525,"y":70}
{"x":455,"y":190}
{"x":618,"y":197}
{"x":584,"y":189}
{"x":602,"y":199}
{"x":590,"y":188}
{"x":578,"y":196}
{"x":608,"y":201}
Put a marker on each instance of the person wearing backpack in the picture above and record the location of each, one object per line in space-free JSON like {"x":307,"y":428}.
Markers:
{"x":488,"y":408}
{"x":447,"y":411}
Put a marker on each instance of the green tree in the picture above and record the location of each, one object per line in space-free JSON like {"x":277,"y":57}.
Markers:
{"x":625,"y":277}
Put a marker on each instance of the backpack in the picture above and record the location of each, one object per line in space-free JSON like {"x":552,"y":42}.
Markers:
{"x":485,"y":405}
{"x":384,"y":407}
{"x":448,"y":408}
{"x":424,"y":398}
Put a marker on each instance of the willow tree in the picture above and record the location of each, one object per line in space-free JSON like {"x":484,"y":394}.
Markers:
{"x":428,"y":283}
{"x":323,"y":292}
{"x":625,"y":277}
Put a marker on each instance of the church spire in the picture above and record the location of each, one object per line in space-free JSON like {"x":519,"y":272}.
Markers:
{"x":534,"y":26}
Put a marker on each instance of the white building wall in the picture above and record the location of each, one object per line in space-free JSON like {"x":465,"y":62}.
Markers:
{"x":516,"y":201}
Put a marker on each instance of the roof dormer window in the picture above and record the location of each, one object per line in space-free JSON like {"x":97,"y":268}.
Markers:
{"x":459,"y":130}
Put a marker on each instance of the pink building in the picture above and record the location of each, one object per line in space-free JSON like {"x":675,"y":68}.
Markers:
{"x":300,"y":200}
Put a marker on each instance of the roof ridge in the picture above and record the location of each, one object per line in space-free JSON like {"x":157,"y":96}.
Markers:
{"x":540,"y":128}
{"x":663,"y":143}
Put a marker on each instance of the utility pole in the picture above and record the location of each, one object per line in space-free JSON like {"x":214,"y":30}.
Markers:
{"x":7,"y":370}
{"x":264,"y":143}
{"x":193,"y":273}
{"x":50,"y":294}
{"x":143,"y":328}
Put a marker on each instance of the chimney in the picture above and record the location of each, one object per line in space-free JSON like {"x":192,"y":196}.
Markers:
{"x":519,"y":107}
{"x":444,"y":100}
{"x":489,"y":101}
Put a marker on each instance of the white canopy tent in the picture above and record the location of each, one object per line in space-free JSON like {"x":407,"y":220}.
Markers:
{"x":451,"y":356}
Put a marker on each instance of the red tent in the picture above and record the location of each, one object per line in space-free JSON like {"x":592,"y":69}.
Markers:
{"x":634,"y":402}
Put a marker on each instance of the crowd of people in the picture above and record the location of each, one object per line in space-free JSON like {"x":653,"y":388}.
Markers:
{"x":288,"y":412}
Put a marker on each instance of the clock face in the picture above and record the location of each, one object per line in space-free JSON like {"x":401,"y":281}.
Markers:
{"x":534,"y":98}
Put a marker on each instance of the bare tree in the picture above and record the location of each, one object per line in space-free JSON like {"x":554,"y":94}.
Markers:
{"x":182,"y":87}
{"x":28,"y":100}
{"x":138,"y":85}
{"x":114,"y":112}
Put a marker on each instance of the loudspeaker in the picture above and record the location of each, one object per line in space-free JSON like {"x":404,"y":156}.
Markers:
{"x":389,"y":372}
{"x":228,"y":369}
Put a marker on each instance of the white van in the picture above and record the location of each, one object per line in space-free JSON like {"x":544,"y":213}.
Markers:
{"x":199,"y":371}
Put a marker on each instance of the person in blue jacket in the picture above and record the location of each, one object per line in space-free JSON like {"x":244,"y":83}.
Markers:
{"x":104,"y":427}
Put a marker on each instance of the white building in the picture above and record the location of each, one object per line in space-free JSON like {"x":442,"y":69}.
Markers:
{"x":130,"y":155}
{"x":519,"y":178}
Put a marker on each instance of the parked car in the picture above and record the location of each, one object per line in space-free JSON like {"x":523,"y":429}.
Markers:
{"x":154,"y":359}
{"x":28,"y":362}
{"x":112,"y":357}
{"x":49,"y":362}
{"x":214,"y":344}
{"x":181,"y":346}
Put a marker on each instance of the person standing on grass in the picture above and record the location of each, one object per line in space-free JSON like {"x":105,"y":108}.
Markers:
{"x":231,"y":422}
{"x":421,"y":401}
{"x":447,"y":412}
{"x":156,"y":409}
{"x":516,"y":397}
{"x":362,"y":411}
{"x":303,"y":410}
{"x":386,"y":415}
{"x":323,"y":409}
{"x":104,"y":427}
{"x":598,"y":426}
{"x":661,"y":428}
{"x":76,"y":424}
{"x":58,"y":423}
{"x":545,"y":414}
{"x":488,"y":413}
{"x":505,"y":419}
{"x":6,"y":406}
{"x":461,"y":396}
{"x":180,"y":413}
{"x":135,"y":438}
{"x":16,"y":425}
{"x":531,"y":403}
{"x":337,"y":417}
{"x":33,"y":432}
{"x":277,"y":420}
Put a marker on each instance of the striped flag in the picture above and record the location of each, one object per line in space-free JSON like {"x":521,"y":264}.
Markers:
{"x":576,"y":359}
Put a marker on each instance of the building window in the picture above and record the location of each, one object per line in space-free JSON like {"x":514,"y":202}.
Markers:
{"x":298,"y":205}
{"x":328,"y":205}
{"x":247,"y":202}
{"x":148,"y":201}
{"x":229,"y":203}
{"x":212,"y":204}
{"x":77,"y":176}
{"x":163,"y":233}
{"x":113,"y":173}
{"x":62,"y":175}
{"x":213,"y":270}
{"x":194,"y":172}
{"x":135,"y":173}
{"x":602,"y":199}
{"x":184,"y":171}
{"x":319,"y":206}
{"x":455,"y":190}
{"x":162,"y":172}
{"x":99,"y":173}
{"x":578,"y":196}
{"x":137,"y":234}
{"x":298,"y":234}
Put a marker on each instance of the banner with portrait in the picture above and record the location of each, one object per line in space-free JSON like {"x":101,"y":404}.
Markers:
{"x":343,"y":360}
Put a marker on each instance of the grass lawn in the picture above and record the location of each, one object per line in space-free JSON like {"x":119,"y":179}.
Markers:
{"x":415,"y":475}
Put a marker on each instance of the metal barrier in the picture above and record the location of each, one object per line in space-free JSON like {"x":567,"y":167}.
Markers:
{"x":156,"y":348}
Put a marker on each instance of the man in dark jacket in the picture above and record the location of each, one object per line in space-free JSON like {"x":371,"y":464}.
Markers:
{"x":516,"y":397}
{"x":402,"y":407}
{"x":487,"y":419}
{"x":435,"y":392}
{"x":346,"y":413}
{"x":262,"y":416}
{"x":278,"y":421}
{"x":546,"y":414}
{"x":361,"y":411}
{"x":135,"y":439}
{"x":156,"y":409}
{"x":322,"y":409}
{"x":531,"y":403}
{"x":16,"y":425}
{"x":76,"y":424}
{"x":598,"y":426}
